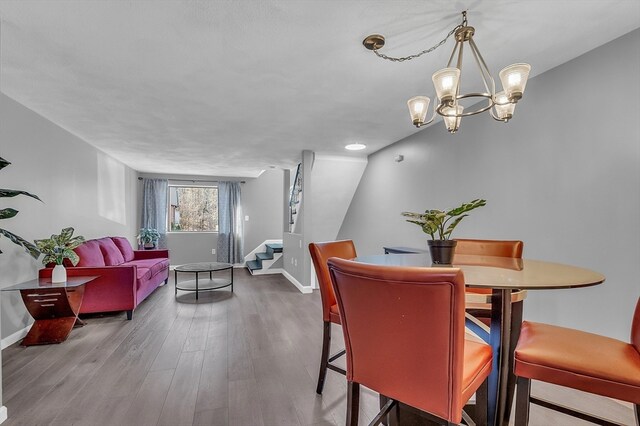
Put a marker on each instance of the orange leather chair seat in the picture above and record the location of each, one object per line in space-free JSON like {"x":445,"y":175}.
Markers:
{"x":579,"y":360}
{"x":476,"y":368}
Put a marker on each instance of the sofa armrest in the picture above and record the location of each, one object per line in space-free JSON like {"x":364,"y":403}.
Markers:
{"x":150,"y":254}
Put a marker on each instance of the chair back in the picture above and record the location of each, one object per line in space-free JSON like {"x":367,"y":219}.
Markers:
{"x":320,"y":253}
{"x":635,"y":327}
{"x":404,"y":332}
{"x":501,"y":248}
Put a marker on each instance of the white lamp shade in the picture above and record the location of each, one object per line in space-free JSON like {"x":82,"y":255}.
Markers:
{"x":504,"y":108}
{"x":445,"y":82}
{"x":452,"y":117}
{"x":514,"y":80}
{"x":418,"y":107}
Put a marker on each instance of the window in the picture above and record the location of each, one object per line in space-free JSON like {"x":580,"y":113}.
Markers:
{"x":193,"y":209}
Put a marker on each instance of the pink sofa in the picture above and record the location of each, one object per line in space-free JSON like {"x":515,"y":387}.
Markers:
{"x":127,"y":276}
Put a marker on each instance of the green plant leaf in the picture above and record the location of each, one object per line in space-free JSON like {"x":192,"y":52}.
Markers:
{"x":72,"y":256}
{"x":30,"y":248}
{"x":75,"y":242}
{"x":453,"y":224}
{"x":467,"y":207}
{"x":7,"y":213}
{"x":49,"y":258}
{"x":65,"y":235}
{"x":3,"y":163}
{"x":5,"y":193}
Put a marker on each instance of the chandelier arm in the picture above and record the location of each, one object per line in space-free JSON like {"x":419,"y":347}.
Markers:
{"x":459,"y":66}
{"x":441,"y":106}
{"x":416,"y":55}
{"x":453,"y":53}
{"x":484,"y":69}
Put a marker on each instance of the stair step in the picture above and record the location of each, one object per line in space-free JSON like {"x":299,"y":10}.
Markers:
{"x":275,"y":247}
{"x":254,"y":265}
{"x":264,"y":256}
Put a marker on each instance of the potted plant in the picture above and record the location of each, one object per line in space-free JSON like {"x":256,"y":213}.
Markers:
{"x":439,"y":224}
{"x":8,"y":213}
{"x":149,"y":238}
{"x":58,"y":248}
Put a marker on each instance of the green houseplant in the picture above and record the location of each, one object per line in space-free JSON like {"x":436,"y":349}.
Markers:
{"x":8,"y":213}
{"x":439,"y":224}
{"x":56,"y":249}
{"x":149,"y":237}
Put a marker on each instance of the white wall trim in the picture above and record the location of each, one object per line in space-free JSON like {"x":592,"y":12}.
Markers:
{"x":10,"y":340}
{"x":3,"y":414}
{"x":302,"y":288}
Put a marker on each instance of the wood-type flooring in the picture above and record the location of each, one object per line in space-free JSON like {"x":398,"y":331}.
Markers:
{"x":249,"y":358}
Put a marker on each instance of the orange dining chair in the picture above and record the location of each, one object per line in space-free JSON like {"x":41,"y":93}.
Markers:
{"x":577,"y":360}
{"x":405,"y":338}
{"x":320,"y":253}
{"x":499,"y":248}
{"x":477,"y":298}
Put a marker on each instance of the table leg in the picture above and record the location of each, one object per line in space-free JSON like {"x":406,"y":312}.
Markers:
{"x":55,"y":311}
{"x":175,"y":281}
{"x":232,"y":279}
{"x":516,"y":325}
{"x":500,"y":333}
{"x":196,"y":286}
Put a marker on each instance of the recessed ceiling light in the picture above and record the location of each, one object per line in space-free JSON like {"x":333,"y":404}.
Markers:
{"x":355,"y":146}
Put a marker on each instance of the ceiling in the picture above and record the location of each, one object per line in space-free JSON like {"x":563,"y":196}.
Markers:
{"x":230,"y":88}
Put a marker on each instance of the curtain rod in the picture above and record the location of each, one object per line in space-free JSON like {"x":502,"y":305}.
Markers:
{"x":194,"y":180}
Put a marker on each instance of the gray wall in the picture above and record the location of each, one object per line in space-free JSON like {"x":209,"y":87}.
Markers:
{"x":563,"y":176}
{"x":79,"y":186}
{"x":329,"y":183}
{"x":261,"y":201}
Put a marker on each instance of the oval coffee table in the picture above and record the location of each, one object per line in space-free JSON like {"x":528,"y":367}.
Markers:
{"x":203,"y":285}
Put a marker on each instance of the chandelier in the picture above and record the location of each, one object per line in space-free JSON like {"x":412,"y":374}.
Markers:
{"x":446,"y":81}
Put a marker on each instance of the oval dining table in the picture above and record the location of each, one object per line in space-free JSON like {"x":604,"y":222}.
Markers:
{"x":504,"y":277}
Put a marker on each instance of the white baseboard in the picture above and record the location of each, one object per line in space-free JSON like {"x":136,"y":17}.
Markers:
{"x":3,"y":414}
{"x":10,"y":340}
{"x":302,"y":288}
{"x":268,"y":271}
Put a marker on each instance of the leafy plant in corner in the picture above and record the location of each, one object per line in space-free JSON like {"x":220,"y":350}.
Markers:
{"x":441,"y":223}
{"x":60,"y":247}
{"x":8,"y":213}
{"x":149,"y":236}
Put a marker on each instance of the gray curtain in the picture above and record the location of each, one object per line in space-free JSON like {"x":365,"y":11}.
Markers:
{"x":154,"y":207}
{"x":230,"y":225}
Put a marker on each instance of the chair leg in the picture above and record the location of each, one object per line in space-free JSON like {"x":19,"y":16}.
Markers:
{"x":324,"y":359}
{"x":516,"y":326}
{"x":522,"y":401}
{"x":353,"y":403}
{"x":482,"y":402}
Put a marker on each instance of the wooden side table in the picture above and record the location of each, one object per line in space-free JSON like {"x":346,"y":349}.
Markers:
{"x":54,"y":306}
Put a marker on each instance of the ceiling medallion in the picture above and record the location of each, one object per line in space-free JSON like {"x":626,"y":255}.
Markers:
{"x":446,"y":81}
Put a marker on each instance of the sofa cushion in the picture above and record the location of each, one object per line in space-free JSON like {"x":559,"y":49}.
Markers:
{"x":143,"y":274}
{"x":125,"y":248}
{"x":90,"y":254}
{"x":111,"y":253}
{"x":154,"y":265}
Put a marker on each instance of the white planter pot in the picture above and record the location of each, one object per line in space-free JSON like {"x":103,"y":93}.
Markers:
{"x":59,"y":274}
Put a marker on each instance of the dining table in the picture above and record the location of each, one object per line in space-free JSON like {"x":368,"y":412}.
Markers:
{"x":506,"y":278}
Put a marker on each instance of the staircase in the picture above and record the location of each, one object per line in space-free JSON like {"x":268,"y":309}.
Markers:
{"x":264,"y":260}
